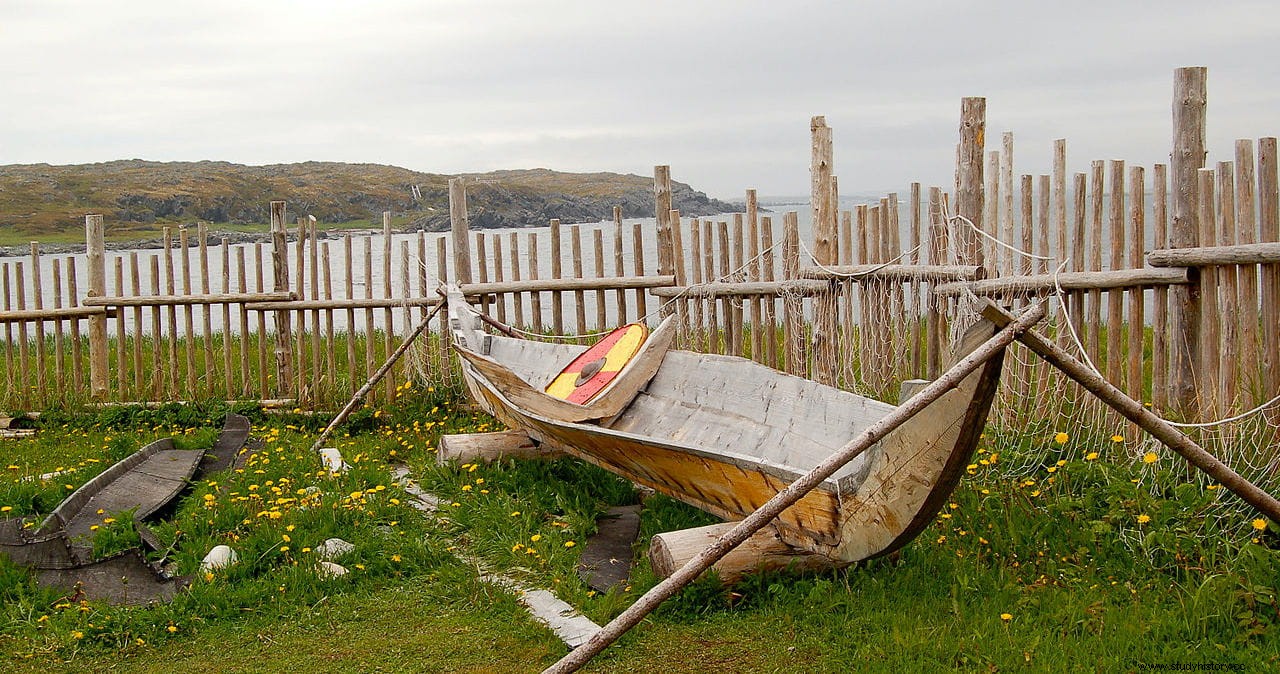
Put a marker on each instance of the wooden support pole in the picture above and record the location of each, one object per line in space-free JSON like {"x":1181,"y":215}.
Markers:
{"x":97,"y":264}
{"x":992,"y":348}
{"x":662,"y":212}
{"x":1135,"y":411}
{"x":459,"y":225}
{"x":1189,"y":104}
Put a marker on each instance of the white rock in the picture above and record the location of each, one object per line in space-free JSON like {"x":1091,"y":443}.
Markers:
{"x":220,"y":557}
{"x":332,"y":459}
{"x":334,"y":548}
{"x":330,"y":570}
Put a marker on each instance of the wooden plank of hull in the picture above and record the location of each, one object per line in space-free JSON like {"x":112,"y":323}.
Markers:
{"x":722,"y":488}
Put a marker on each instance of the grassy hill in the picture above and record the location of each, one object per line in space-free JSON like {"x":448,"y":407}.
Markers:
{"x":48,"y":203}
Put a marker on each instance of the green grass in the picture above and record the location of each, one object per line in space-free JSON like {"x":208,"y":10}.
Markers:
{"x":1099,"y":562}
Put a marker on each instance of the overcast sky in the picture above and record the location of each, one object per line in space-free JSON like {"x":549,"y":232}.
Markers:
{"x":721,"y":91}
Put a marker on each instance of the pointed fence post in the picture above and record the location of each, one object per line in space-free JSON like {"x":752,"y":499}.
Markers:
{"x":96,"y":253}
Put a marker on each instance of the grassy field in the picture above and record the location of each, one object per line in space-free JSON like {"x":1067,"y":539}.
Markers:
{"x":1089,"y":563}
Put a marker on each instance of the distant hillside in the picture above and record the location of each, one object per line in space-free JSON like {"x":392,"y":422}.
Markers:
{"x":40,"y":199}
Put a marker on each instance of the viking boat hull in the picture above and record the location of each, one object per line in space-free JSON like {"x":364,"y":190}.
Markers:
{"x":725,"y":434}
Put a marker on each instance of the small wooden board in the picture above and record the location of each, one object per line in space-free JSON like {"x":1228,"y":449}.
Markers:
{"x":577,"y":383}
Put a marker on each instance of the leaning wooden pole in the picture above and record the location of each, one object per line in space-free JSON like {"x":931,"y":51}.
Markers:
{"x":377,"y":377}
{"x":1134,"y":411}
{"x":794,"y":492}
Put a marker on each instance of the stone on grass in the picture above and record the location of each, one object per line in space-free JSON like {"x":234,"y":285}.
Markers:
{"x":334,"y":548}
{"x":332,"y":459}
{"x":220,"y":557}
{"x":330,"y":570}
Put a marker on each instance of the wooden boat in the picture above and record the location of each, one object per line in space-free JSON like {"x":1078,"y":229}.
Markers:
{"x":725,"y":434}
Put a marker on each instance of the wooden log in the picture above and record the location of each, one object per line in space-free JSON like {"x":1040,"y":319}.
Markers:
{"x":1137,"y":236}
{"x":1078,"y":245}
{"x":738,"y":342}
{"x":997,"y":257}
{"x":1269,"y":232}
{"x":619,"y":268}
{"x":753,"y":274}
{"x":763,"y":551}
{"x":161,"y":378}
{"x":1140,"y":415}
{"x":1116,"y":261}
{"x":459,"y":225}
{"x":121,"y":343}
{"x":727,"y":335}
{"x":1044,"y":248}
{"x":301,"y":383}
{"x":1208,"y":256}
{"x":934,"y":328}
{"x":24,"y":362}
{"x":490,"y":447}
{"x":330,"y":351}
{"x":793,"y":309}
{"x":52,"y":315}
{"x":716,"y":290}
{"x":1229,"y":316}
{"x":535,"y":297}
{"x":349,"y":288}
{"x":696,"y":319}
{"x":498,"y":275}
{"x":482,"y":265}
{"x":517,"y":297}
{"x":637,"y":261}
{"x":245,"y":387}
{"x":916,"y":324}
{"x":1207,"y":361}
{"x":1160,"y":295}
{"x":58,"y":370}
{"x":1059,"y":217}
{"x":287,"y":299}
{"x":388,"y":314}
{"x":662,"y":213}
{"x":770,"y":328}
{"x":764,"y":515}
{"x":896,"y":273}
{"x":1093,"y":305}
{"x":37,"y":296}
{"x":263,"y":374}
{"x":1189,"y":112}
{"x":557,"y":298}
{"x":206,"y":313}
{"x":820,"y":172}
{"x":370,"y":344}
{"x":602,"y":317}
{"x":1084,"y":280}
{"x":6,"y":306}
{"x":77,"y":356}
{"x":228,"y":371}
{"x":1247,"y":234}
{"x":96,"y":257}
{"x":969,"y":201}
{"x":1008,"y":224}
{"x":579,"y":299}
{"x":280,"y":283}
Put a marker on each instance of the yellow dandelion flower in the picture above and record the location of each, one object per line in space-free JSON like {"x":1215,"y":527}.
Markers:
{"x":109,"y":520}
{"x":515,"y":513}
{"x":1150,"y":457}
{"x":5,"y":509}
{"x":1260,"y":524}
{"x":535,"y":538}
{"x":1006,"y":617}
{"x":210,"y":497}
{"x":1117,"y":438}
{"x":77,"y":634}
{"x":1144,"y":518}
{"x":172,"y":628}
{"x":395,"y":558}
{"x":569,"y":544}
{"x":284,"y":548}
{"x":1061,"y":438}
{"x":1090,"y":456}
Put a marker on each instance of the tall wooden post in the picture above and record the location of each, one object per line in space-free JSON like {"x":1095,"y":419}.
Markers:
{"x":1189,"y":105}
{"x":96,"y":249}
{"x":459,"y":225}
{"x":969,"y":197}
{"x":662,"y":212}
{"x":280,"y":283}
{"x":824,"y":220}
